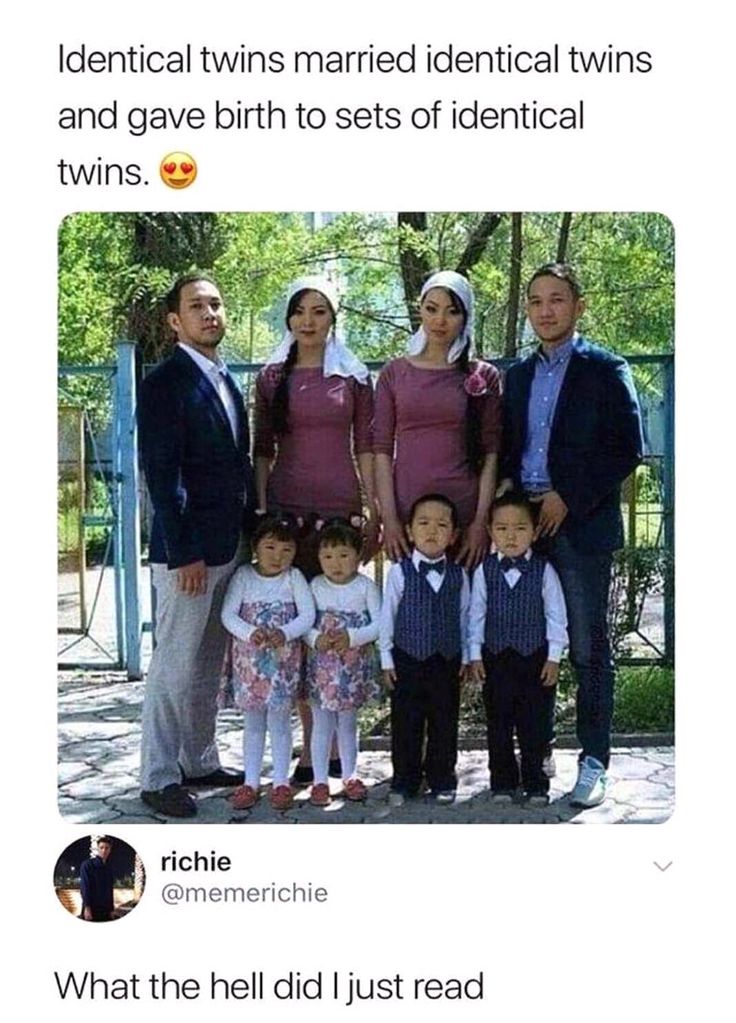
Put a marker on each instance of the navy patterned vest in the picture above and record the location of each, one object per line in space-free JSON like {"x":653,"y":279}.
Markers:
{"x":515,"y":616}
{"x":428,"y":623}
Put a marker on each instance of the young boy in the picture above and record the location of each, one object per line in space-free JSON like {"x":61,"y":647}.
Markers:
{"x":422,"y":640}
{"x":518,"y":630}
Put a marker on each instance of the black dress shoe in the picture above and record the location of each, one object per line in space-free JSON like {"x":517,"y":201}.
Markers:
{"x":218,"y":779}
{"x":302,"y":776}
{"x":171,"y":801}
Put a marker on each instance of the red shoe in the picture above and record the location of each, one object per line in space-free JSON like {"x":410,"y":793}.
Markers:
{"x":282,"y":798}
{"x":320,"y":795}
{"x":245,"y":797}
{"x":355,"y":790}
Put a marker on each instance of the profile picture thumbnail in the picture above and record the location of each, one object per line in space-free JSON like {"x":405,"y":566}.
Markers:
{"x":99,"y":878}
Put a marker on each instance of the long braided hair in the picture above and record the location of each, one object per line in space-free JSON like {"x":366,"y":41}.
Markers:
{"x":473,"y":447}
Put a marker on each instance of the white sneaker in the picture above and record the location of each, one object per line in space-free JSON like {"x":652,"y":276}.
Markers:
{"x":590,"y":788}
{"x":446,"y":797}
{"x":396,"y":799}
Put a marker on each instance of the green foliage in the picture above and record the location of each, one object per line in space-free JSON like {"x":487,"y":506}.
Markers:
{"x":94,"y":250}
{"x":627,"y":265}
{"x":637,"y":574}
{"x":97,"y":502}
{"x":112,"y":263}
{"x":374,"y":717}
{"x":645,"y":700}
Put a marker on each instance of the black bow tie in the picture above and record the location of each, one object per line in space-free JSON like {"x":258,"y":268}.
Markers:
{"x":425,"y":567}
{"x":520,"y":564}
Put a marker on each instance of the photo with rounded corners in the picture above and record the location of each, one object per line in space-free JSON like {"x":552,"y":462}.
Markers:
{"x":224,"y":372}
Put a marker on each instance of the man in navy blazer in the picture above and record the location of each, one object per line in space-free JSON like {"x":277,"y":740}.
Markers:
{"x":572,"y":434}
{"x":195,"y":445}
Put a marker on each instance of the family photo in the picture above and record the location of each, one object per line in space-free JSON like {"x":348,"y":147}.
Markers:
{"x":366,"y":518}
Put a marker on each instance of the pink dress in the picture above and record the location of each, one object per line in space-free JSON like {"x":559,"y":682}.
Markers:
{"x":420,"y":422}
{"x":330,"y":419}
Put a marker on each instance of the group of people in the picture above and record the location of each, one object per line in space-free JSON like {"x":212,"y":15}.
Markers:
{"x":500,"y":513}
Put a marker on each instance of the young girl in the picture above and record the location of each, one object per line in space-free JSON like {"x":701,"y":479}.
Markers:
{"x":267,"y":609}
{"x":341,"y":660}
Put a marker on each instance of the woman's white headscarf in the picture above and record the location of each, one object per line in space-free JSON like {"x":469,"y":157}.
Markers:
{"x":338,"y":359}
{"x":460,"y":287}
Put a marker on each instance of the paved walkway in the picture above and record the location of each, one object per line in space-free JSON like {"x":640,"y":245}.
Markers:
{"x":99,"y":735}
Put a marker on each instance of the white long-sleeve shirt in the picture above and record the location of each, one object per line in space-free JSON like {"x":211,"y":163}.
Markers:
{"x":555,"y":611}
{"x":216,"y":371}
{"x":392,"y":596}
{"x":247,"y":586}
{"x":360,"y":594}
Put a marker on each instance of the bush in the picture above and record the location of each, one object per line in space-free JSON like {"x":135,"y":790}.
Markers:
{"x":645,"y":700}
{"x":637,"y":574}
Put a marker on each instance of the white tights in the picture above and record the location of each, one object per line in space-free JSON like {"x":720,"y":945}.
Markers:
{"x":325,"y":724}
{"x":277,"y":721}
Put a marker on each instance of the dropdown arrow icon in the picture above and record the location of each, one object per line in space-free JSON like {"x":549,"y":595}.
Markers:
{"x":663,"y":866}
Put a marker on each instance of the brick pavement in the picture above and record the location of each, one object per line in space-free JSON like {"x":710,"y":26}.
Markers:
{"x":99,"y":735}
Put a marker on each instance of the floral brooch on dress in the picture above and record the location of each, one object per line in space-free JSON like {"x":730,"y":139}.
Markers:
{"x":476,"y":383}
{"x":275,"y":373}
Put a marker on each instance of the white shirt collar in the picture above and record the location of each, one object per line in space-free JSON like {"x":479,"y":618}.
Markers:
{"x":417,"y":558}
{"x":206,"y":365}
{"x":527,"y":554}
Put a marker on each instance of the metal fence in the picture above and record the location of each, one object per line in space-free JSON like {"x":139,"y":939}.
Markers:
{"x":100,"y":596}
{"x":104,"y":596}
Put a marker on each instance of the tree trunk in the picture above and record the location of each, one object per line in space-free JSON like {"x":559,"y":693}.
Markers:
{"x":477,"y":243}
{"x":512,"y":320}
{"x":563,"y":237}
{"x":414,"y":265}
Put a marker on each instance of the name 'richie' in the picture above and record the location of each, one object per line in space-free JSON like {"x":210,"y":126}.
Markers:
{"x":195,"y":861}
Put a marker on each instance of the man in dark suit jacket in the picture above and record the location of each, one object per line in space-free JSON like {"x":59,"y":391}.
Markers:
{"x":96,"y":884}
{"x":572,"y":434}
{"x":195,"y":448}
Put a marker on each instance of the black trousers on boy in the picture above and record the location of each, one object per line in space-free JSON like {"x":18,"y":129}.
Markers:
{"x":516,"y":701}
{"x":425,"y":697}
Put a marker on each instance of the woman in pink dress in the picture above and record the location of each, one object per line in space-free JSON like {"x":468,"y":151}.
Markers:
{"x":313,"y":448}
{"x":438,"y":421}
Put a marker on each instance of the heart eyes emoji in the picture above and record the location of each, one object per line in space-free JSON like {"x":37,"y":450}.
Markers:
{"x":178,"y":170}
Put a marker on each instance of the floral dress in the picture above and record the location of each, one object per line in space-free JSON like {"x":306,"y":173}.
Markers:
{"x":255,"y":677}
{"x":347,"y":680}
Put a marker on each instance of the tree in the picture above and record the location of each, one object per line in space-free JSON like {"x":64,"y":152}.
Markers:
{"x":563,"y":238}
{"x":115,"y":268}
{"x":162,"y":245}
{"x":512,"y":321}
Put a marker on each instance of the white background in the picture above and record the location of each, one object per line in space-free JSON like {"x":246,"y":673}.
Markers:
{"x":565,"y":922}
